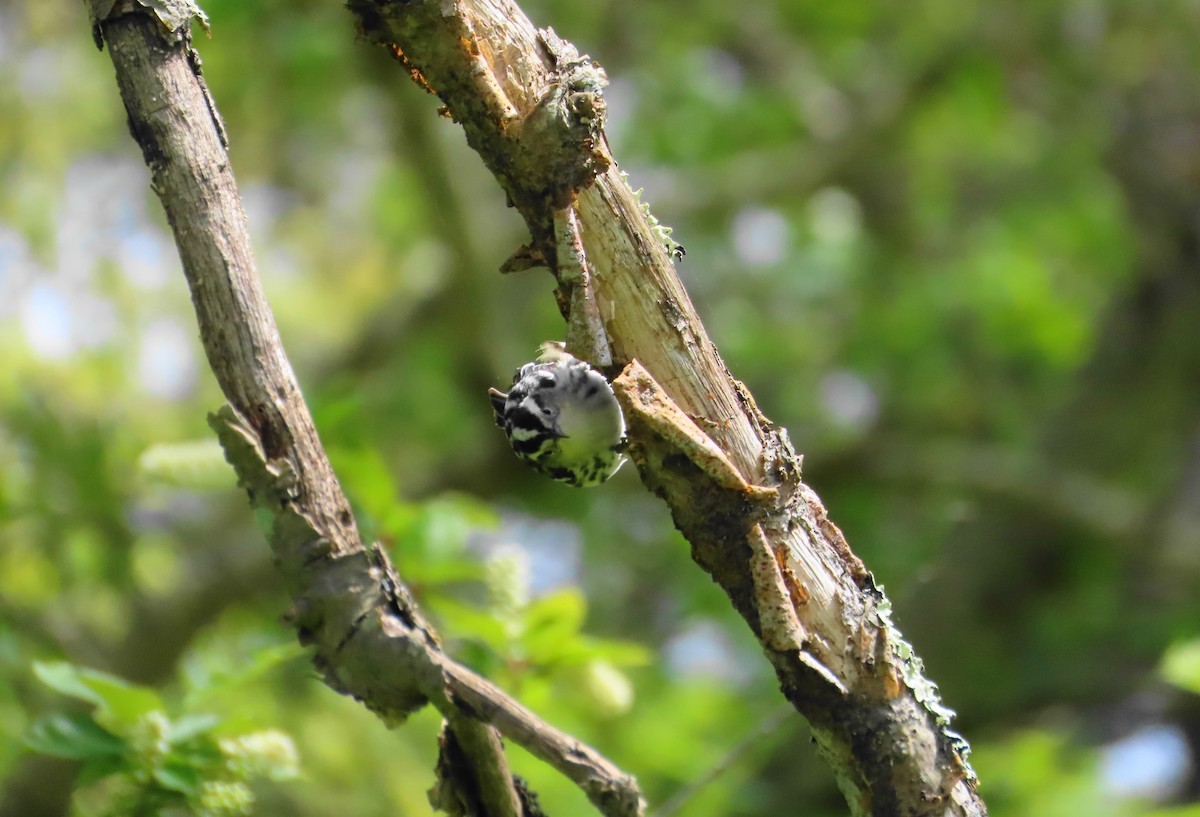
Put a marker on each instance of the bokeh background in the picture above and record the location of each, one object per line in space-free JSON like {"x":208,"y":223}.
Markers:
{"x":952,"y":245}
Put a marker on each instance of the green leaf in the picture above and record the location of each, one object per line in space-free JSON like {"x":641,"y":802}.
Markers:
{"x":464,"y":621}
{"x":66,"y":679}
{"x":618,"y":653}
{"x":123,"y":702}
{"x":96,"y":769}
{"x":426,"y":572}
{"x":199,"y":753}
{"x":197,"y":464}
{"x":607,"y":689}
{"x":437,"y":528}
{"x":119,"y":700}
{"x":1181,"y":665}
{"x":205,"y":685}
{"x":552,"y":625}
{"x":583,"y":649}
{"x":180,"y":777}
{"x":191,"y":726}
{"x":368,"y":479}
{"x":73,"y":735}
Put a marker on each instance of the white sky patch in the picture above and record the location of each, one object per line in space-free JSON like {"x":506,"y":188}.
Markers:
{"x":94,"y":320}
{"x":554,"y":547}
{"x":166,"y":360}
{"x":353,"y":174}
{"x":46,"y":319}
{"x":1151,"y":763}
{"x":265,"y":205}
{"x":103,"y":200}
{"x":622,"y":98}
{"x":760,"y":236}
{"x":17,"y":268}
{"x":147,"y":259}
{"x":703,"y":648}
{"x":39,"y":75}
{"x":849,"y":400}
{"x":724,"y":77}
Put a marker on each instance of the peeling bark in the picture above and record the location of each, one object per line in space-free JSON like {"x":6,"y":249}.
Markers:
{"x":730,"y":476}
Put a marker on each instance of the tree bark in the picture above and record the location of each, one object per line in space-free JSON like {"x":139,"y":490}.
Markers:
{"x":730,"y":477}
{"x":369,"y":638}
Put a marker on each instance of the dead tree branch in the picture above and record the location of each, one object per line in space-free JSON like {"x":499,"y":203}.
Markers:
{"x":531,"y":107}
{"x":370,"y":641}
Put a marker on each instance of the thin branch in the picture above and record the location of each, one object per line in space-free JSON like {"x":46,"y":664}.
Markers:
{"x":370,"y":639}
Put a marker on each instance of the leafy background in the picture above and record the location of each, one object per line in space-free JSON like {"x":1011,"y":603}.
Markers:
{"x":952,"y":246}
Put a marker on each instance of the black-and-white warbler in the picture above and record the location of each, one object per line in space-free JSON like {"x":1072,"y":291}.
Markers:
{"x":561,"y":417}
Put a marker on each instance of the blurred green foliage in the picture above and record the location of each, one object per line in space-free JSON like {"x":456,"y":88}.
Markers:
{"x":952,"y":246}
{"x":144,"y":762}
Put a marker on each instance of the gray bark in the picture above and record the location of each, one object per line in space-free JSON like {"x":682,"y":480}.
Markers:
{"x":369,"y":638}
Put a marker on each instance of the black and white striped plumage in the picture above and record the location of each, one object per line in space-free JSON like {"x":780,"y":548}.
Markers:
{"x":561,"y":417}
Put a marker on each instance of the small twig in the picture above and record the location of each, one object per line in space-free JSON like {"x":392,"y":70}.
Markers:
{"x":768,"y":726}
{"x":610,"y":790}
